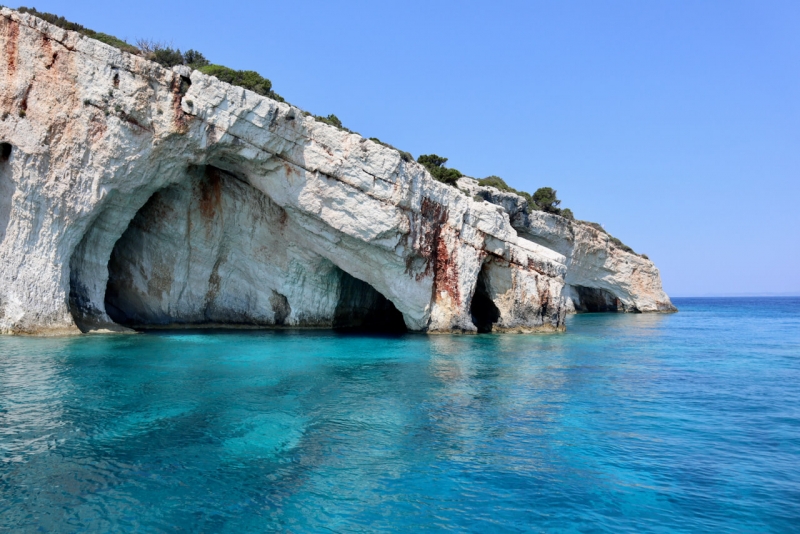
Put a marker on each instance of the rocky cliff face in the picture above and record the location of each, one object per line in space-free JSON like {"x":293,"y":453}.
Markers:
{"x":134,"y":195}
{"x":601,"y":274}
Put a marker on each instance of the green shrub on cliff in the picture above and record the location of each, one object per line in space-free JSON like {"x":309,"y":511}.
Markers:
{"x":169,"y":57}
{"x":435,"y":166}
{"x":620,"y":244}
{"x":249,"y":79}
{"x":331,"y":119}
{"x":499,"y":183}
{"x":195,"y":59}
{"x":61,"y":22}
{"x":546,"y":199}
{"x":166,"y":57}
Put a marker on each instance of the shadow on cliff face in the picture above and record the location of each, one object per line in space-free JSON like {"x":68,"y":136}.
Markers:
{"x":6,"y":188}
{"x":483,"y":310}
{"x":362,"y":309}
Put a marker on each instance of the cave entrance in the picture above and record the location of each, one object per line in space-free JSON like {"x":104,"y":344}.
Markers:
{"x":123,"y":303}
{"x":483,"y":309}
{"x":594,"y":300}
{"x":361,"y":308}
{"x":179,"y":260}
{"x":160,"y":272}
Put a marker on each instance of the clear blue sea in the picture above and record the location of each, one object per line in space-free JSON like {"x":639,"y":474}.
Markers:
{"x":627,"y":423}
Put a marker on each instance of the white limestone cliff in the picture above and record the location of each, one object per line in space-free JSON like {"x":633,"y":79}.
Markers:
{"x":601,"y":274}
{"x":135,"y":195}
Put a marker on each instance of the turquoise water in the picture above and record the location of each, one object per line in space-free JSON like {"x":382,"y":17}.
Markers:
{"x":628,"y":423}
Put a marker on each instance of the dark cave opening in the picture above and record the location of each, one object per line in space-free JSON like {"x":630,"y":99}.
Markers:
{"x":483,"y":309}
{"x":594,"y":300}
{"x":121,"y":304}
{"x":140,"y":266}
{"x":5,"y":151}
{"x":362,"y":309}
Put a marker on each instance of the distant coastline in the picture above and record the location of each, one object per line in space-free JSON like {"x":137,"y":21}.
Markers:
{"x":789,"y":294}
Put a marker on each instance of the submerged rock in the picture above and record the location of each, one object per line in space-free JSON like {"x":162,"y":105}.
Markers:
{"x":133,"y":195}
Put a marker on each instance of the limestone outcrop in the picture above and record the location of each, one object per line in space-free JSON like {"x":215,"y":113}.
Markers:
{"x":133,"y":195}
{"x":601,"y":274}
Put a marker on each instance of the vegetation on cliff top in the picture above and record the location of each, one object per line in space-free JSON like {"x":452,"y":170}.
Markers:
{"x":61,"y":22}
{"x":249,"y":79}
{"x":166,"y":56}
{"x":435,"y":166}
{"x":169,"y":57}
{"x":544,"y":199}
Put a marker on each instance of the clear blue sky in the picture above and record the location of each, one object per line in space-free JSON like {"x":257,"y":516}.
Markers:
{"x":675,"y":124}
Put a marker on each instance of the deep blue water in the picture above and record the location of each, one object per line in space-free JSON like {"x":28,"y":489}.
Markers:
{"x":628,"y":423}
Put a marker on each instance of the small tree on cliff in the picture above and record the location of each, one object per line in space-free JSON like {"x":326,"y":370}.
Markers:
{"x":545,"y":198}
{"x":435,"y":166}
{"x":195,"y":59}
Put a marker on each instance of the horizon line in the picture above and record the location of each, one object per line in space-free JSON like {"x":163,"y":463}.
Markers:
{"x":741,"y":295}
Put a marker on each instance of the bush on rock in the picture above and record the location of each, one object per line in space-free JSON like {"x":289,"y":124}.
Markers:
{"x":435,"y":166}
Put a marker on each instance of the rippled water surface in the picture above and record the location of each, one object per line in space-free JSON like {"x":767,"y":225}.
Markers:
{"x":684,"y":422}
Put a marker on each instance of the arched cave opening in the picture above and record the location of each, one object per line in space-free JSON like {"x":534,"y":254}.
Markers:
{"x":123,"y":305}
{"x":594,"y":300}
{"x":361,"y":308}
{"x":483,"y":309}
{"x":89,"y":264}
{"x":165,"y":268}
{"x":184,"y":259}
{"x":93,"y":272}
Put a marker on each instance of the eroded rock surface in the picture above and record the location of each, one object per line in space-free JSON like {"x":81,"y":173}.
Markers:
{"x":135,"y":195}
{"x":601,"y":276}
